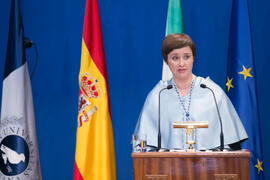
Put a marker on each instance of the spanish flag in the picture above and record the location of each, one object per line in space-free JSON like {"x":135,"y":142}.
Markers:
{"x":94,"y":158}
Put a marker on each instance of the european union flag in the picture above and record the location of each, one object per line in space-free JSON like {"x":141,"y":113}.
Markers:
{"x":241,"y":83}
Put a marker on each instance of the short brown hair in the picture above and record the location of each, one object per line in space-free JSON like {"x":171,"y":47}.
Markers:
{"x":176,"y":41}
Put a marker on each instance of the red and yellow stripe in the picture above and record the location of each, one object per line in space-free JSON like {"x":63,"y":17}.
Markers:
{"x":94,"y":158}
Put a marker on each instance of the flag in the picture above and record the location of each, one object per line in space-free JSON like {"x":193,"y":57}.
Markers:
{"x":94,"y":158}
{"x":18,"y":141}
{"x":241,"y":83}
{"x":174,"y":25}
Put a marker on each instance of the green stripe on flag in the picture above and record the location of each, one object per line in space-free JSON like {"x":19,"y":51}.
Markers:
{"x":175,"y":22}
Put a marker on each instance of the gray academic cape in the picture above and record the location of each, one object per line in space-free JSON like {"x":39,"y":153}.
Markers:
{"x":202,"y":108}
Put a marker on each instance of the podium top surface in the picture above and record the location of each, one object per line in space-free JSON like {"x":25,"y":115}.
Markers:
{"x":241,"y":153}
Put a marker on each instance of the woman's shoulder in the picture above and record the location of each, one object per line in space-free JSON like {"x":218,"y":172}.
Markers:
{"x":152,"y":96}
{"x":160,"y":85}
{"x":209,"y":83}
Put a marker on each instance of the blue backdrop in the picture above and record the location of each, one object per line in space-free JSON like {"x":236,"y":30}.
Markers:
{"x":133,"y":32}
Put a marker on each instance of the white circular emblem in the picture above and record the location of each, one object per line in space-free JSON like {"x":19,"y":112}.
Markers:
{"x":17,"y":151}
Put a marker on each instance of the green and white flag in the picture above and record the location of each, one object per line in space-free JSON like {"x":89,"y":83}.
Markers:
{"x":174,"y":25}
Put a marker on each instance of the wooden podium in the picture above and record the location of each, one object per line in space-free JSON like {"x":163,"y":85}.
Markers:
{"x":232,"y":165}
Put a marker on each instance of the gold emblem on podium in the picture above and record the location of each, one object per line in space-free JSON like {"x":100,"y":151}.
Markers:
{"x":190,"y":127}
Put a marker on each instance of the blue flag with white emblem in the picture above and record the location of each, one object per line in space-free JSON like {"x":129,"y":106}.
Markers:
{"x":19,"y":158}
{"x":241,"y":83}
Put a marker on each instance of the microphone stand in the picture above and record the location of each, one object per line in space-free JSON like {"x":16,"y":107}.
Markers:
{"x":221,"y":132}
{"x":159,"y":133}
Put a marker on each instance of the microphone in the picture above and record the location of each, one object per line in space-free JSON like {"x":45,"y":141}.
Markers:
{"x":221,"y":127}
{"x":27,"y":43}
{"x":159,"y":134}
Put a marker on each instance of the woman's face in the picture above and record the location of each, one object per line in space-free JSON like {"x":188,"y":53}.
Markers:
{"x":180,"y":62}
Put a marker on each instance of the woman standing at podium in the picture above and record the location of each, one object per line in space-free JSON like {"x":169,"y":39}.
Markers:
{"x":187,"y":101}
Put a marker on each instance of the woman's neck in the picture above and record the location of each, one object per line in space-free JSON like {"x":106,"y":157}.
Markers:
{"x":183,"y":85}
